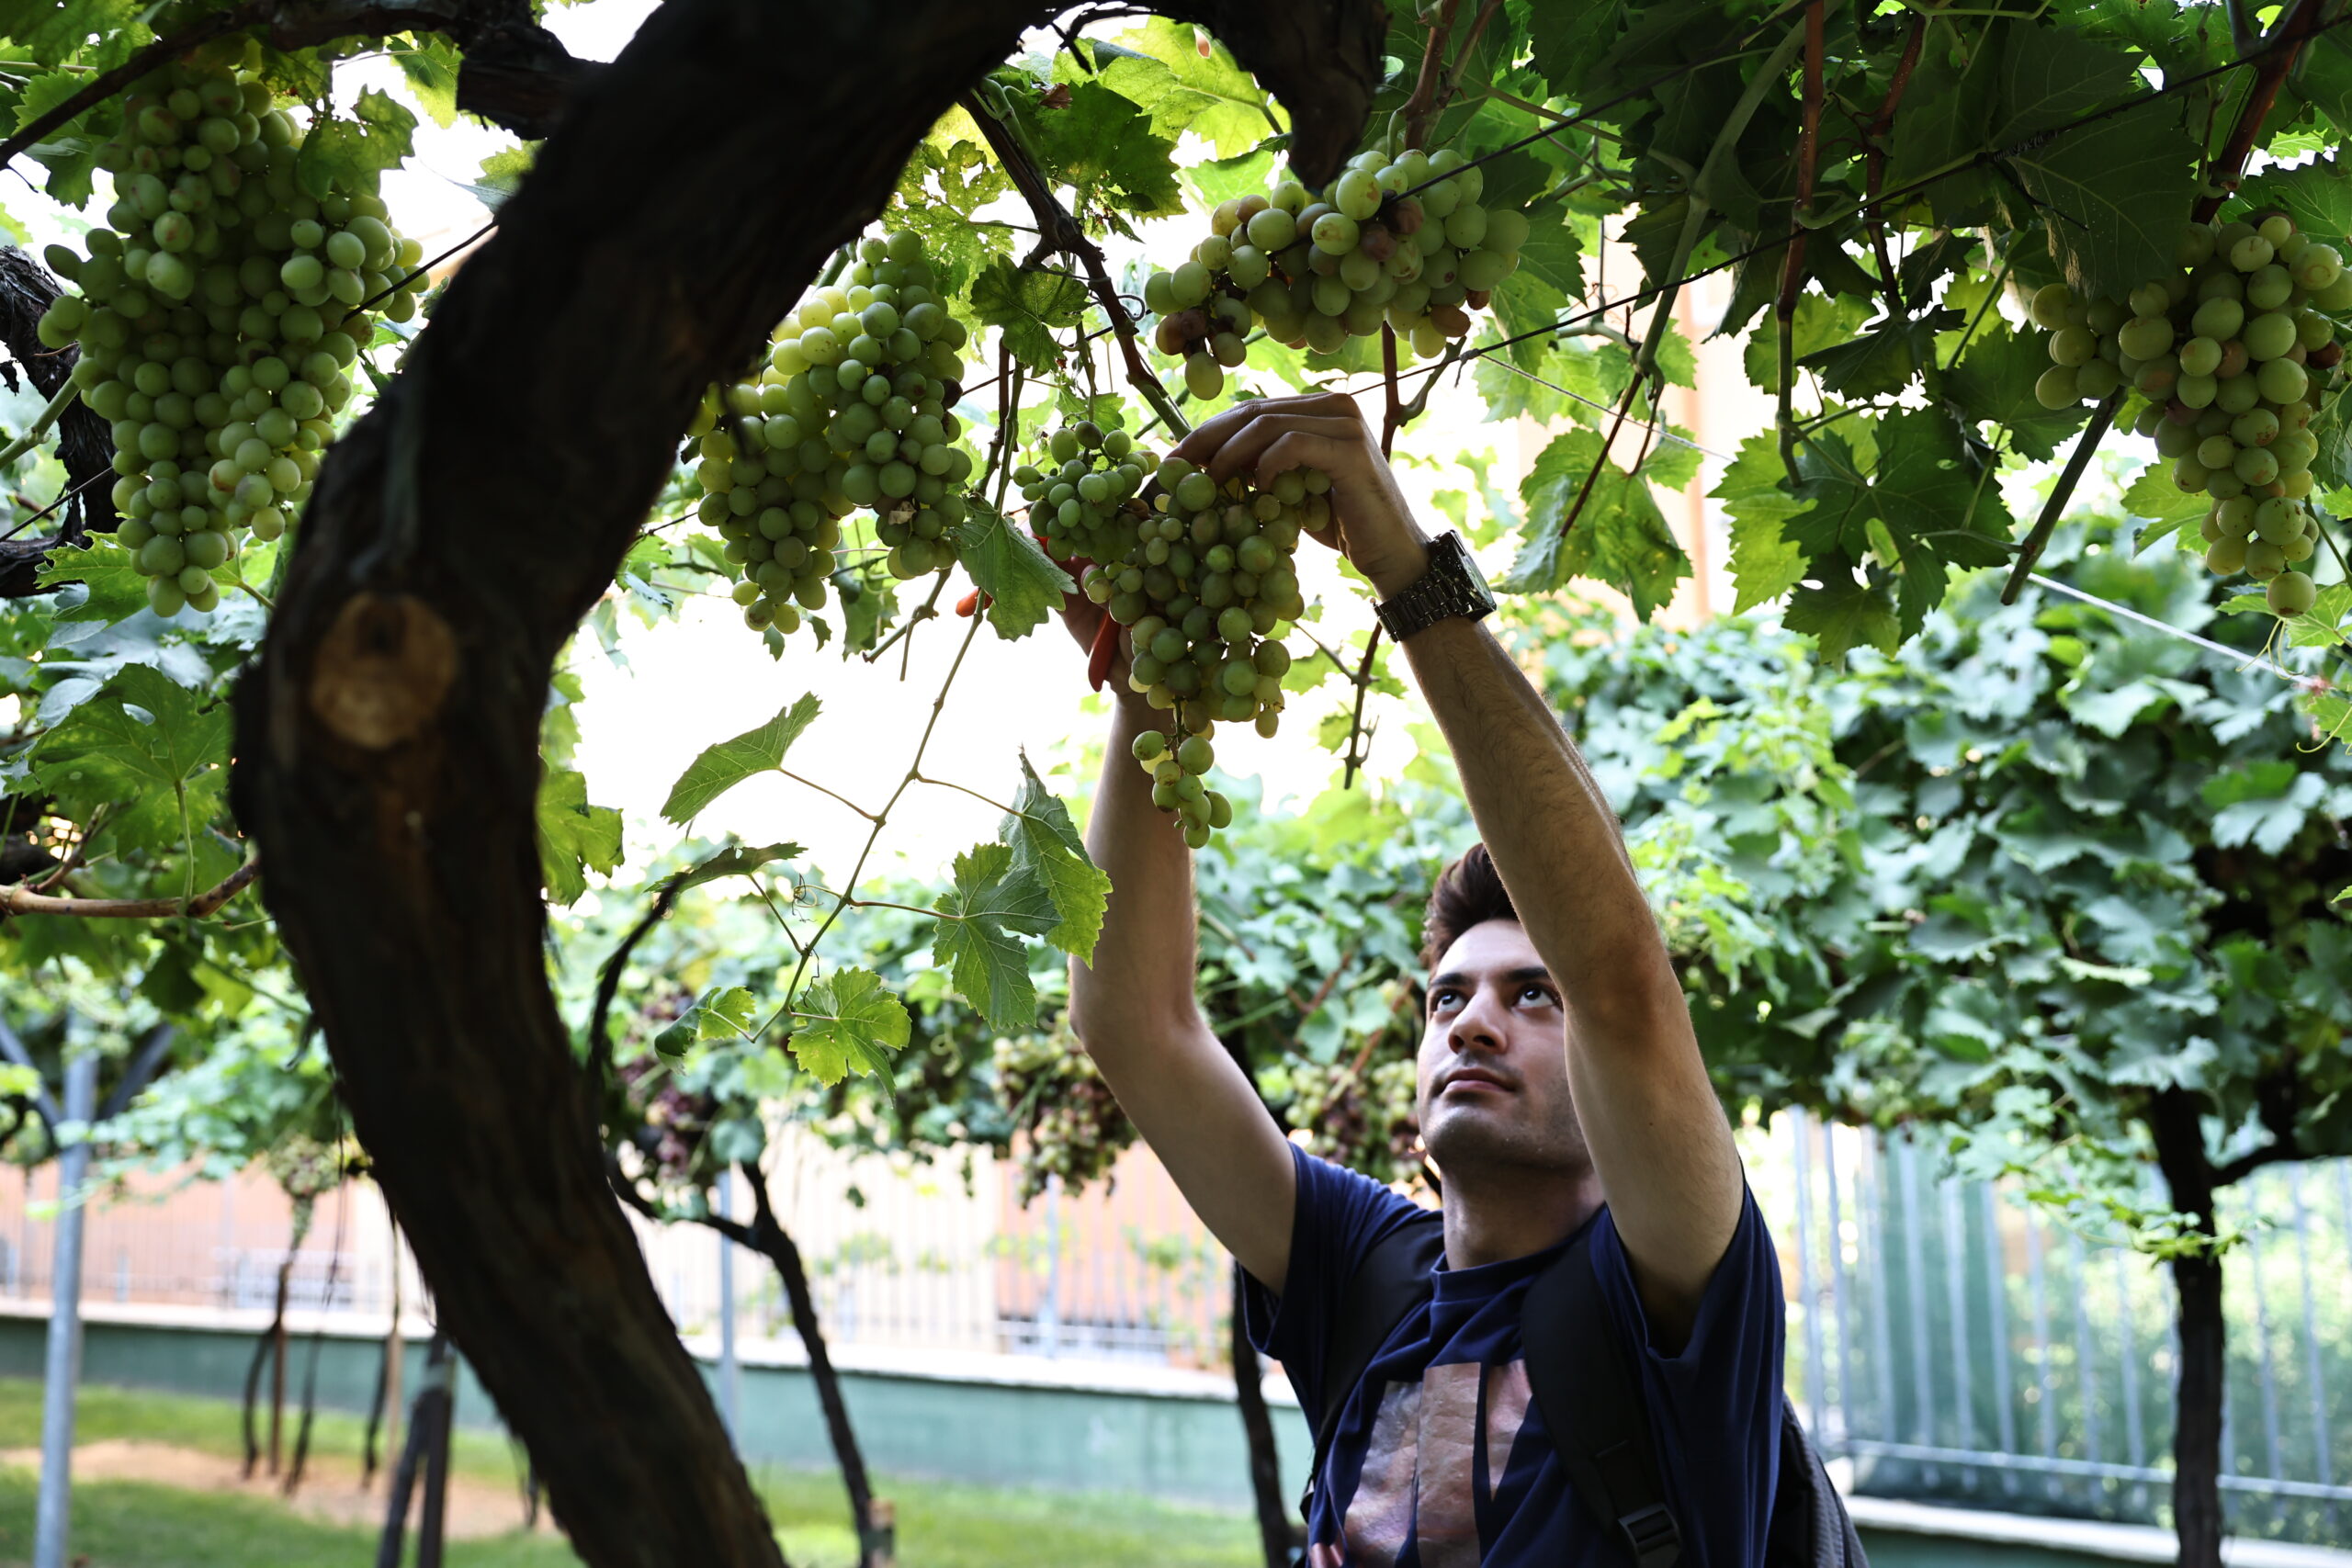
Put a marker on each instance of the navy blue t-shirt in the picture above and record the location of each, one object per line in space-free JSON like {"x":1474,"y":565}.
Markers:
{"x":1441,"y":1460}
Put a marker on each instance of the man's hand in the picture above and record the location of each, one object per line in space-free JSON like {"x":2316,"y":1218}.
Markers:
{"x":1271,"y":436}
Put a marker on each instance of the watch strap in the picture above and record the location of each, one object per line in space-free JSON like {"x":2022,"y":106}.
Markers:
{"x":1449,"y":587}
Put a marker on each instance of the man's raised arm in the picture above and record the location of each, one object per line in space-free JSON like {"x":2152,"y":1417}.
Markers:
{"x":1659,"y":1139}
{"x":1135,"y":1010}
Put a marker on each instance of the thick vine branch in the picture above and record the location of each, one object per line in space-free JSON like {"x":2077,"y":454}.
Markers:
{"x":387,"y":751}
{"x":22,"y":900}
{"x":1058,"y":232}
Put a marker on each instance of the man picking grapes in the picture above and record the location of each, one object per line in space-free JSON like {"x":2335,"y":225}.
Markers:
{"x":1561,"y":1096}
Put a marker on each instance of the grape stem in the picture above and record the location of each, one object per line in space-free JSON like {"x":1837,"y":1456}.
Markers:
{"x":1057,"y":231}
{"x":18,"y":899}
{"x":2060,"y":493}
{"x":881,"y":820}
{"x":1874,"y":160}
{"x":1784,"y":308}
{"x":39,"y":428}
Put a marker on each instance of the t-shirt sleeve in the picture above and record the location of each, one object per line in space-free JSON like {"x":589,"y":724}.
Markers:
{"x":1716,"y":1401}
{"x":1337,"y":1217}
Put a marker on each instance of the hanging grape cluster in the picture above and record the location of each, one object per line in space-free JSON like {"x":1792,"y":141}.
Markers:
{"x":1083,"y":502}
{"x":2233,"y":351}
{"x":1398,"y":239}
{"x":1070,"y":1123}
{"x":851,"y":414}
{"x":220,"y":307}
{"x":1202,"y":592}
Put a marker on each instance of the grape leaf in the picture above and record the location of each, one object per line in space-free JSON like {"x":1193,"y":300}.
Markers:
{"x":2263,"y":802}
{"x":723,"y":766}
{"x":1993,"y":384}
{"x":429,"y":61}
{"x":1569,"y":40}
{"x":2317,"y":196}
{"x":1842,"y":613}
{"x":1553,"y":255}
{"x":1935,"y":496}
{"x":735,"y":859}
{"x":2051,"y":76}
{"x":1184,"y":87}
{"x":1947,"y":116}
{"x":1880,"y":362}
{"x":1817,"y":324}
{"x":982,"y":919}
{"x":1620,"y":537}
{"x":1028,"y":307}
{"x":1221,"y":179}
{"x":2112,"y":193}
{"x":346,"y":152}
{"x":110,"y":587}
{"x":145,"y":749}
{"x":846,"y":1022}
{"x":573,"y":835}
{"x":720,"y":1013}
{"x":2166,"y":506}
{"x":1765,"y":562}
{"x":1525,"y":304}
{"x":1024,"y":585}
{"x":1833,"y":483}
{"x":1046,"y":846}
{"x":1101,"y":143}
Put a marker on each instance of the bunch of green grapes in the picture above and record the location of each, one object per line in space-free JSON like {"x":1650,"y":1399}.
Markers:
{"x":2233,"y":350}
{"x":218,"y":309}
{"x":1318,"y":270}
{"x":1203,"y":591}
{"x":1085,"y":493}
{"x":851,"y":414}
{"x":1070,"y":1122}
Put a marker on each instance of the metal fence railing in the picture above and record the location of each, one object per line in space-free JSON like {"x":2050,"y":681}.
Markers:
{"x":1961,"y":1345}
{"x":1952,"y":1341}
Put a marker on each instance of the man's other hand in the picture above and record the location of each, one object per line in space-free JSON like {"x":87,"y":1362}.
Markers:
{"x":1271,"y":436}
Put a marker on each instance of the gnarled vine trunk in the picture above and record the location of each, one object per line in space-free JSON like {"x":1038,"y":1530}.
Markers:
{"x":387,"y":740}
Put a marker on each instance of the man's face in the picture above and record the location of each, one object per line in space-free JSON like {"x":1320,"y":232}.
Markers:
{"x":1493,"y":1081}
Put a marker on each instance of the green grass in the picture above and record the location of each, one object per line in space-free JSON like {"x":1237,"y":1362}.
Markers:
{"x":941,"y":1524}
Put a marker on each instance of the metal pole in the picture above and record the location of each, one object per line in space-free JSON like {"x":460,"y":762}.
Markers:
{"x":1049,"y":1314}
{"x":2078,"y":1282}
{"x":2135,"y":1436}
{"x":1817,"y":1371}
{"x":2265,"y":1365}
{"x":2314,"y":1370}
{"x":62,"y":1368}
{"x":2045,"y":1409}
{"x":1914,"y":1294}
{"x":1882,"y":1315}
{"x":1837,"y":1283}
{"x":730,"y":1379}
{"x":1996,"y":1314}
{"x":1963,"y":1373}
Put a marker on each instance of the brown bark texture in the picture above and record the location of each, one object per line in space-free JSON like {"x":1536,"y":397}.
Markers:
{"x":2176,"y":1119}
{"x":387,"y":740}
{"x":1276,"y":1539}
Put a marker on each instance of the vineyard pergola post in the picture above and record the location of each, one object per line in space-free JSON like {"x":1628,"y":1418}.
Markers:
{"x":61,"y":1359}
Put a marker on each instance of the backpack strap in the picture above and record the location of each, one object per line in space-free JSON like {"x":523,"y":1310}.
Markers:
{"x":1587,"y":1386}
{"x":1388,"y":1282}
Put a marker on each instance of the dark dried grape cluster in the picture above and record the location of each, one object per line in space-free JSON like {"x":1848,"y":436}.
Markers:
{"x":1070,"y":1123}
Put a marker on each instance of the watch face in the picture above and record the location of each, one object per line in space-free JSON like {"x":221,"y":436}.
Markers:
{"x":1468,"y":564}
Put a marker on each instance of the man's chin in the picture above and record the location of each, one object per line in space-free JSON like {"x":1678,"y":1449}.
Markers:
{"x":1491,"y":1132}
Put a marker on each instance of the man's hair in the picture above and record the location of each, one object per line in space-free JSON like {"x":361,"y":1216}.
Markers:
{"x":1468,"y":893}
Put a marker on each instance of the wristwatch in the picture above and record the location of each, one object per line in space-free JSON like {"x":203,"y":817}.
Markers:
{"x":1452,"y":586}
